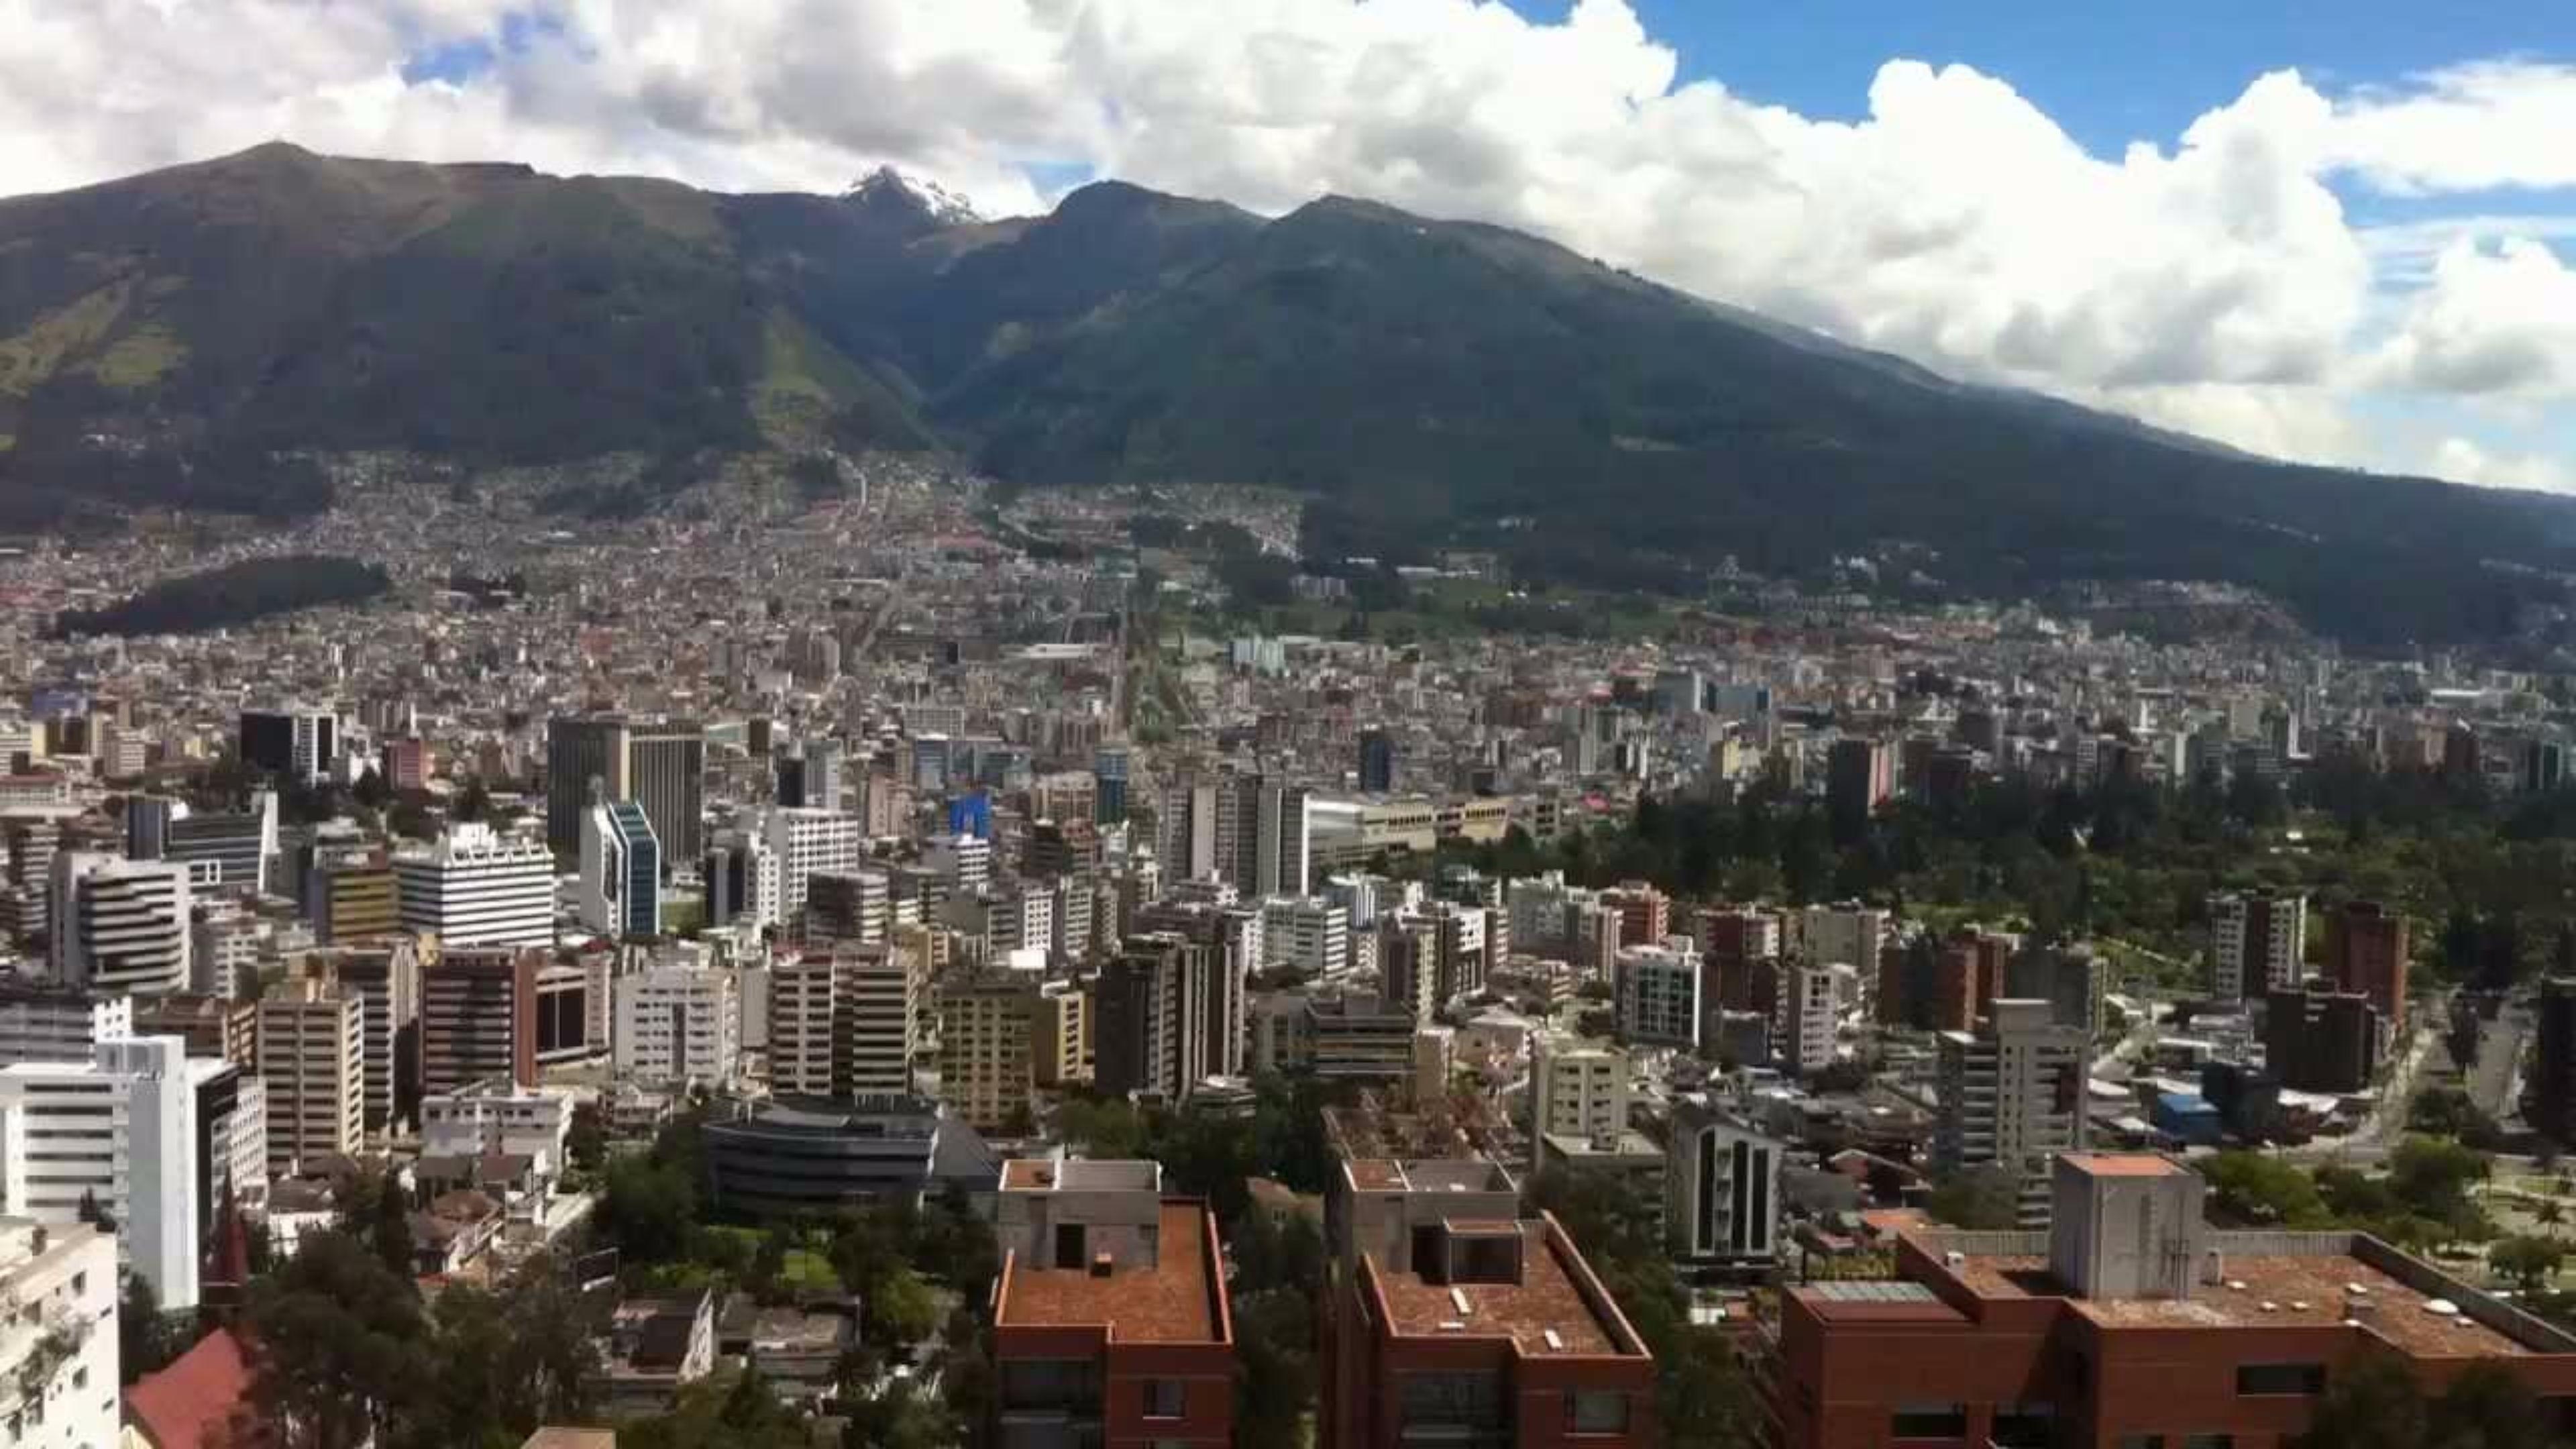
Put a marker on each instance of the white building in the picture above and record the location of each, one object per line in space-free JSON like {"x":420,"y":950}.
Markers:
{"x":1577,"y":1088}
{"x":474,"y":888}
{"x":2012,"y":1094}
{"x":1310,"y":936}
{"x":620,"y":886}
{"x":678,"y":1024}
{"x":2257,"y":941}
{"x":59,"y":1280}
{"x":965,"y":860}
{"x":1658,"y":995}
{"x":1845,"y":935}
{"x":51,"y":1024}
{"x":497,"y":1117}
{"x":803,"y":841}
{"x":119,"y":1130}
{"x":1721,"y":1186}
{"x":120,"y":925}
{"x":1804,"y":1032}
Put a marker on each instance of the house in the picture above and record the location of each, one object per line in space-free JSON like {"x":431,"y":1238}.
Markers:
{"x":201,"y":1401}
{"x":656,"y":1347}
{"x":454,"y":1230}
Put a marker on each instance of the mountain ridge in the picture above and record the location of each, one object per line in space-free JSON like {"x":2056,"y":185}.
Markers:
{"x":1427,"y":382}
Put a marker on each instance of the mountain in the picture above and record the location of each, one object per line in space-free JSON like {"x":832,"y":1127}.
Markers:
{"x":182,"y":336}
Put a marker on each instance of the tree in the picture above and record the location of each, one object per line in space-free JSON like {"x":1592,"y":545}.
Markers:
{"x":92,"y":1212}
{"x":336,"y":1346}
{"x":1985,"y":1198}
{"x":2488,"y":1407}
{"x":902,"y":1311}
{"x":2257,"y":1189}
{"x":2371,"y":1403}
{"x":647,"y":1210}
{"x":146,"y":1340}
{"x":586,"y":1144}
{"x":1275,"y":1382}
{"x":2527,"y":1262}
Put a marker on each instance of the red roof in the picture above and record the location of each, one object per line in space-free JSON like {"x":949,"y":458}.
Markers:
{"x":189,"y":1404}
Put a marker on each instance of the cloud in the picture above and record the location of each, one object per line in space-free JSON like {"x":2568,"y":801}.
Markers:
{"x":2463,"y":461}
{"x":2497,"y":321}
{"x":2211,"y":280}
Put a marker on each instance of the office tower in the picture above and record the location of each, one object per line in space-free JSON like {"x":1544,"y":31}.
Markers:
{"x":1721,"y":1186}
{"x":667,"y":775}
{"x":1377,"y":762}
{"x":1657,"y":993}
{"x":1408,"y":964}
{"x":621,"y":870}
{"x":2011,"y":1094}
{"x":385,"y":977}
{"x":804,"y":841}
{"x":407,"y":765}
{"x":2366,"y":946}
{"x":147,"y":825}
{"x":232,"y":1140}
{"x":1849,"y":934}
{"x":847,"y":908}
{"x":300,"y":744}
{"x":1112,"y":1308}
{"x":804,"y":996}
{"x":351,"y":895}
{"x":474,"y":888}
{"x":479,"y":1017}
{"x":225,"y":851}
{"x":1460,"y":935}
{"x":2071,"y":979}
{"x":1804,"y":1032}
{"x":118,"y":1130}
{"x":72,"y":1270}
{"x":2316,"y":1039}
{"x":1217,"y":981}
{"x":987,"y":1050}
{"x":580,"y":750}
{"x":1577,"y":1088}
{"x":1063,"y":1034}
{"x":311,"y":1053}
{"x":1310,"y":937}
{"x":1860,"y":776}
{"x":120,"y":925}
{"x":964,"y":861}
{"x":2552,"y":1092}
{"x":881,"y":1006}
{"x":741,"y":873}
{"x":1109,"y":786}
{"x":679,"y":1026}
{"x":54,"y":1023}
{"x":824,"y":774}
{"x":1185,"y":830}
{"x":1450,"y":1317}
{"x":1151,"y":1032}
{"x":2257,"y":941}
{"x":211,"y":1028}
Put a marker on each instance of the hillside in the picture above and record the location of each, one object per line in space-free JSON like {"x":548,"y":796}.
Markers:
{"x":165,"y":338}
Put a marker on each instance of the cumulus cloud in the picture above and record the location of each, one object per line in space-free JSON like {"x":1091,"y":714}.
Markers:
{"x":2209,"y":281}
{"x":2463,"y":461}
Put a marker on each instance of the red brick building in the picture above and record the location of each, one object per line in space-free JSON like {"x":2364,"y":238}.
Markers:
{"x":1111,"y":1328}
{"x":2366,"y":949}
{"x":2127,"y":1324}
{"x":1450,"y":1318}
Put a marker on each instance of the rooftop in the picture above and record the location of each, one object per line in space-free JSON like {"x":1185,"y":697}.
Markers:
{"x":2123,"y":1164}
{"x":1172,"y":1301}
{"x":1545,"y":1314}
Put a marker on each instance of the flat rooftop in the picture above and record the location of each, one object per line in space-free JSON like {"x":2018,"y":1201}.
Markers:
{"x":1447,"y":1174}
{"x":1173,"y":1301}
{"x":2122,"y":1164}
{"x":1547,"y":1298}
{"x":2280,"y":1291}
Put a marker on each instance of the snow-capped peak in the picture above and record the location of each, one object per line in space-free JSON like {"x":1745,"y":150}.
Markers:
{"x":936,"y":201}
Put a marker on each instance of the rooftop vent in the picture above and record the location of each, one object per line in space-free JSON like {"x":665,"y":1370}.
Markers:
{"x":1555,"y":1341}
{"x":2441,"y":1308}
{"x":1100,"y":1265}
{"x":1458,"y":1296}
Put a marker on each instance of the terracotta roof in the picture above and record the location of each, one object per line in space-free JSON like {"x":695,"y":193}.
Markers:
{"x":189,"y":1404}
{"x":2122,"y":1164}
{"x":1545,"y":1298}
{"x":1172,"y":1301}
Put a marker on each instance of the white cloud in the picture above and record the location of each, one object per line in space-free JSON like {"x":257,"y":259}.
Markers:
{"x":2463,"y":461}
{"x":2211,"y":281}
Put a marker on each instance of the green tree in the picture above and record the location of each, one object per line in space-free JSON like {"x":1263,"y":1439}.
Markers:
{"x":902,"y":1311}
{"x":2527,"y":1262}
{"x":647,"y":1210}
{"x":146,"y":1339}
{"x":2488,"y":1406}
{"x":336,"y":1344}
{"x":2260,"y":1190}
{"x":1275,"y":1384}
{"x":2372,"y":1402}
{"x":1980,"y":1198}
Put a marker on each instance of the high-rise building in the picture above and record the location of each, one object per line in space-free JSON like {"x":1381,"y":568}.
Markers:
{"x":1109,"y":770}
{"x":227,"y":852}
{"x":2073,"y":980}
{"x":1377,"y":762}
{"x":1645,"y":913}
{"x":847,"y":908}
{"x":55,"y":1023}
{"x":303,"y":745}
{"x":659,"y":765}
{"x":2366,"y":946}
{"x":1803,"y":1033}
{"x":2316,"y":1039}
{"x":473,"y":888}
{"x":1849,"y":934}
{"x":1721,"y":1186}
{"x":1860,"y":776}
{"x":479,"y":1017}
{"x":804,"y":992}
{"x":987,"y":1049}
{"x":407,"y":765}
{"x":741,"y":873}
{"x":2552,"y":1091}
{"x":1657,"y":995}
{"x":310,"y":1050}
{"x":882,"y":1006}
{"x":67,"y":1273}
{"x":120,"y":925}
{"x":679,"y":1025}
{"x":805,"y":841}
{"x":621,"y":870}
{"x":385,"y":976}
{"x":351,"y":894}
{"x":1153,"y":1002}
{"x":1449,"y":1317}
{"x":1577,"y":1088}
{"x":118,"y":1132}
{"x":2258,"y":940}
{"x":2011,"y":1095}
{"x":1111,"y":1322}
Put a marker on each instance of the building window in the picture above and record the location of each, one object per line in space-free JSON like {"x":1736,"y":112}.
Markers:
{"x":2142,"y":1441}
{"x":1928,"y":1421}
{"x":1597,"y":1411}
{"x":2024,"y":1426}
{"x":2208,"y":1441}
{"x":1165,"y":1398}
{"x":2280,"y":1378}
{"x":1068,"y":1245}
